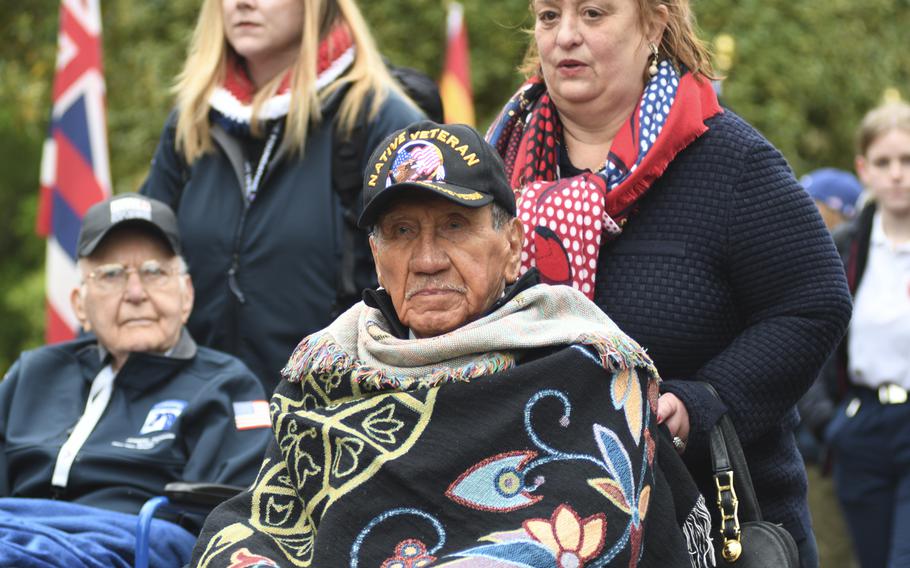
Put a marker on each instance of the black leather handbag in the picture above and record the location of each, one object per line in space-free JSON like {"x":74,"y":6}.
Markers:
{"x":744,"y":540}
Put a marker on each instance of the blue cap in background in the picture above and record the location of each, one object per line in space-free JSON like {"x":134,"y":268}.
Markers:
{"x":837,"y":189}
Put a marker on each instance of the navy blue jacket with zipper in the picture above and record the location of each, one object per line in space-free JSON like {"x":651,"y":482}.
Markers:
{"x":726,"y":274}
{"x":129,"y":457}
{"x":265,"y":274}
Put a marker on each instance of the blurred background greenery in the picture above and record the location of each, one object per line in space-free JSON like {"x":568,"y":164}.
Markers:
{"x":803,"y":72}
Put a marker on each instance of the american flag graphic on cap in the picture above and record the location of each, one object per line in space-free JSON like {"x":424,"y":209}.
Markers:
{"x":417,"y":161}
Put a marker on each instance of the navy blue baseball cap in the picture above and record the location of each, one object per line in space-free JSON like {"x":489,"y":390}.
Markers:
{"x":133,"y":208}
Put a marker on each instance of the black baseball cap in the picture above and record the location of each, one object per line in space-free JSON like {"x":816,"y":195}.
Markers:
{"x":449,"y":160}
{"x":125,"y":208}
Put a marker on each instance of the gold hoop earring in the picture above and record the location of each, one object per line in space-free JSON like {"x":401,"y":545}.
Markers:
{"x":652,"y":69}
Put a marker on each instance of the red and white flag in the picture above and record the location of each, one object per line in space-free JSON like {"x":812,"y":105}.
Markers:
{"x":455,"y":85}
{"x":75,"y":171}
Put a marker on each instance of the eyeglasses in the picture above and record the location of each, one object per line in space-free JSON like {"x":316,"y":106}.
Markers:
{"x":113,"y":277}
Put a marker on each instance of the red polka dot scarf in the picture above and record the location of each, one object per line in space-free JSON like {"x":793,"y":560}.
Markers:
{"x":567,"y":219}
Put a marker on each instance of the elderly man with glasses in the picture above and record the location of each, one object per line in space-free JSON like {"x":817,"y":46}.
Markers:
{"x":90,"y":429}
{"x":463,"y":414}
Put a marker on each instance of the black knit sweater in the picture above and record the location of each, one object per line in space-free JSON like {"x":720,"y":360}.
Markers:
{"x":727,"y":274}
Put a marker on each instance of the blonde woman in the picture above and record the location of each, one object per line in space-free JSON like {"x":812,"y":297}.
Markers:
{"x":245,"y":161}
{"x":682,"y":223}
{"x":870,"y":432}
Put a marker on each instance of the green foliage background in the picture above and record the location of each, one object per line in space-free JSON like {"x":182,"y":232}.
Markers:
{"x":803,"y":73}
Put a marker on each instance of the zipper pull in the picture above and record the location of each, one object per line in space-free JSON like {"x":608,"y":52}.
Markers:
{"x":234,"y":285}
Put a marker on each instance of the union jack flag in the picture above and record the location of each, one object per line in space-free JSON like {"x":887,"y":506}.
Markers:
{"x":75,"y":172}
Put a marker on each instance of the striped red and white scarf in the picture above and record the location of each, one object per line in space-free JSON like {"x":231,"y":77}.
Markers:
{"x":231,"y":102}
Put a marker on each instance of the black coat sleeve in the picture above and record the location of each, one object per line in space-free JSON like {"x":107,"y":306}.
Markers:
{"x":168,"y":173}
{"x":789,"y":285}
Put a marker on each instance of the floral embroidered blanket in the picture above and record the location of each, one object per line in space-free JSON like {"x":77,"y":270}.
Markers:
{"x":556,"y":461}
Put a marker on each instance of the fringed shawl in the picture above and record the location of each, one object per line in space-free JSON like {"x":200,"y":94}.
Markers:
{"x":525,"y":438}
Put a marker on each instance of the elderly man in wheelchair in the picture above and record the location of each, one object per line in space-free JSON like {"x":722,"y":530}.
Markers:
{"x":92,"y":428}
{"x":461,"y":415}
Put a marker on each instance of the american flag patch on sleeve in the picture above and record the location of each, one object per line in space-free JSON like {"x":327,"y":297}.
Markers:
{"x":251,"y":414}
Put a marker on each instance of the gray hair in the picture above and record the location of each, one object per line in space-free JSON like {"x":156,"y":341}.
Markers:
{"x":501,"y":217}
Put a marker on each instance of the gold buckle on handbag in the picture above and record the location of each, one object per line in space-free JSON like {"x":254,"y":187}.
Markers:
{"x":892,"y":394}
{"x":733,"y":547}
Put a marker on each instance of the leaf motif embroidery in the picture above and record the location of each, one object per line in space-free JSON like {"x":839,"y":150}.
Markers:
{"x":612,"y":491}
{"x":625,"y":392}
{"x":381,"y":426}
{"x":619,"y":390}
{"x":633,"y":408}
{"x":616,"y":459}
{"x":347,"y":456}
{"x":643,"y":501}
{"x":495,"y":484}
{"x":276,"y":514}
{"x":305,"y":467}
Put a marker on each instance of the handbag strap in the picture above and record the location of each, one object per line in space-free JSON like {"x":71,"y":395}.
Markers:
{"x":735,"y":494}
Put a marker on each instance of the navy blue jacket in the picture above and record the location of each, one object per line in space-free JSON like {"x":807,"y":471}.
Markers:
{"x":44,"y":395}
{"x":287,"y":243}
{"x":726,"y":274}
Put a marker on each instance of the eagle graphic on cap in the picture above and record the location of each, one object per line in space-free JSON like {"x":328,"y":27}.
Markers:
{"x":417,"y":161}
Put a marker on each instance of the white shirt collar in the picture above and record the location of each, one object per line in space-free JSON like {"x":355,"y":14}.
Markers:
{"x":879,"y":238}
